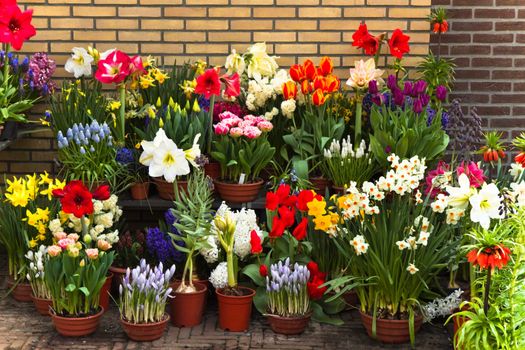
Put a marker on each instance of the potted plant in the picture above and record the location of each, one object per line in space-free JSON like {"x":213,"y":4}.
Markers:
{"x":25,"y":212}
{"x":289,"y":307}
{"x":144,"y":293}
{"x":192,"y":213}
{"x":242,"y":150}
{"x":35,"y":275}
{"x":137,"y":173}
{"x":130,"y":249}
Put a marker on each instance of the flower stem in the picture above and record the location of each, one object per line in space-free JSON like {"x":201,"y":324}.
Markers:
{"x":122,"y":114}
{"x":487,"y":289}
{"x":210,"y":127}
{"x":358,"y":117}
{"x":231,"y":273}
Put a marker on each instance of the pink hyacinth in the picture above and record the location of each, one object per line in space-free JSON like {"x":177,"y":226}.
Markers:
{"x":221,"y":128}
{"x":265,"y":126}
{"x":441,"y":169}
{"x":252,"y":132}
{"x":236,"y":132}
{"x":474,"y":173}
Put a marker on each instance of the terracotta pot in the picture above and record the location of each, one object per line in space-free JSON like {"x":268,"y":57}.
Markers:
{"x":351,"y":299}
{"x":167,"y":190}
{"x":237,"y":193}
{"x":235,"y":311}
{"x":390,"y":331}
{"x":22,"y":292}
{"x":320,"y":184}
{"x":139,"y":190}
{"x":76,"y":326}
{"x":118,"y":275}
{"x":186,"y":309}
{"x":104,"y":292}
{"x":338,"y":189}
{"x":288,"y":325}
{"x":145,"y":331}
{"x":213,"y":170}
{"x":42,"y":305}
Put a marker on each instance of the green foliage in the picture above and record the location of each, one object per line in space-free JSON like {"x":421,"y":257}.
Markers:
{"x":437,"y":71}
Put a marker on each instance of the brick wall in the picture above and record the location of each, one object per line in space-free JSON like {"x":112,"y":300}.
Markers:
{"x":210,"y":29}
{"x":487,"y":39}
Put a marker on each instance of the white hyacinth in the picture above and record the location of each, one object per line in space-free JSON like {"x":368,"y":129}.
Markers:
{"x":219,"y":276}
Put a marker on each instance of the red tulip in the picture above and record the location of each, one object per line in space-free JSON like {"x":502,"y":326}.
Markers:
{"x":287,"y":215}
{"x":278,"y":228}
{"x":263,"y":270}
{"x":114,"y":69}
{"x":320,"y":83}
{"x":232,"y":84}
{"x":310,"y":69}
{"x":255,"y":242}
{"x":326,"y":65}
{"x":75,"y":199}
{"x":101,"y":193}
{"x":303,"y":198}
{"x":315,"y":290}
{"x":208,"y":83}
{"x":332,"y":84}
{"x":318,"y":97}
{"x":300,"y":230}
{"x":275,"y":199}
{"x":399,"y":44}
{"x":313,"y":268}
{"x":289,"y":90}
{"x":297,"y":72}
{"x":15,"y":25}
{"x":306,"y":87}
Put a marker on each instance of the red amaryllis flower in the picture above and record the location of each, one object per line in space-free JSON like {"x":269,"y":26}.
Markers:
{"x":399,"y":44}
{"x":114,"y":69}
{"x":263,"y":270}
{"x":101,"y":193}
{"x":255,"y":242}
{"x":287,"y":215}
{"x":232,"y":84}
{"x":300,"y":230}
{"x":278,"y":228}
{"x":136,"y":66}
{"x":75,"y":199}
{"x":520,"y":158}
{"x":289,"y":90}
{"x":313,"y":268}
{"x":309,"y":69}
{"x":364,"y":40}
{"x":315,"y":290}
{"x":15,"y":25}
{"x":326,"y":65}
{"x":297,"y":72}
{"x":491,"y":257}
{"x":208,"y":83}
{"x":318,"y":97}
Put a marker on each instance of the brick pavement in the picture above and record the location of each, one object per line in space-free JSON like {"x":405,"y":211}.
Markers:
{"x":22,"y":328}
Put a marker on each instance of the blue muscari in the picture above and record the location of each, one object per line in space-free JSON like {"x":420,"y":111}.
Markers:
{"x":85,"y":135}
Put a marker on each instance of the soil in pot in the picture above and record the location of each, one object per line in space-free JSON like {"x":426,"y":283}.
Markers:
{"x":139,"y":190}
{"x":339,"y":190}
{"x":238,"y":193}
{"x":104,"y":292}
{"x":186,"y":309}
{"x":22,"y":292}
{"x":145,"y":331}
{"x":235,"y":308}
{"x":288,"y":325}
{"x":42,"y":306}
{"x":76,"y":326}
{"x":391,"y":331}
{"x":166,"y":189}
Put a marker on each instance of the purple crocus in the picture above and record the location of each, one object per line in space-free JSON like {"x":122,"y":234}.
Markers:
{"x":441,"y":93}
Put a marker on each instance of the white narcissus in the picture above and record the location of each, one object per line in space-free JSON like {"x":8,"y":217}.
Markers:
{"x":79,"y":64}
{"x":235,"y":63}
{"x":518,"y":191}
{"x":485,"y":205}
{"x":363,"y":73}
{"x":169,"y":161}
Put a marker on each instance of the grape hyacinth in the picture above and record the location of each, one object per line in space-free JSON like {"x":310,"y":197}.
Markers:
{"x":287,"y":290}
{"x":144,"y":292}
{"x":161,"y":247}
{"x":86,"y":135}
{"x":125,"y":155}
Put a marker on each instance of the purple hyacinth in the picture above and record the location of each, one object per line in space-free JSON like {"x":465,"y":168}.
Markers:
{"x":160,"y":246}
{"x":42,"y":69}
{"x":441,"y":93}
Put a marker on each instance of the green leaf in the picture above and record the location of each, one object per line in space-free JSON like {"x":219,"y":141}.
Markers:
{"x":319,"y":315}
{"x":84,"y":290}
{"x":252,"y":271}
{"x":70,"y":287}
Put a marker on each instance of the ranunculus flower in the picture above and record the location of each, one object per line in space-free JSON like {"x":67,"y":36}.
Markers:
{"x":252,"y":132}
{"x":326,"y":65}
{"x":300,"y":230}
{"x":54,"y":250}
{"x":208,"y":83}
{"x":263,"y":271}
{"x":441,"y":93}
{"x":318,"y":97}
{"x":92,"y":253}
{"x":114,"y":69}
{"x":65,"y":242}
{"x":232,"y":85}
{"x":73,"y":236}
{"x":297,"y":72}
{"x":255,"y":242}
{"x":221,"y":128}
{"x":398,"y":44}
{"x":75,"y":199}
{"x":236,"y":132}
{"x":15,"y":26}
{"x":265,"y":126}
{"x":289,"y":90}
{"x":59,"y":235}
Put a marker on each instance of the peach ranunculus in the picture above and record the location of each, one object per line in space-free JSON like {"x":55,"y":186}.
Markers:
{"x":59,"y":235}
{"x":363,"y":73}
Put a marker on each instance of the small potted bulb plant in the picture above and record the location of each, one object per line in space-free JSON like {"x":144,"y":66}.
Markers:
{"x":289,"y":309}
{"x":144,"y":293}
{"x":35,"y":275}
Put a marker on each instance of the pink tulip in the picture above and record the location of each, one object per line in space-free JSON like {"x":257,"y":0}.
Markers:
{"x":252,"y":132}
{"x":73,"y":236}
{"x":65,"y":242}
{"x":227,"y":115}
{"x":92,"y":253}
{"x":54,"y":250}
{"x":243,"y":124}
{"x":265,"y":126}
{"x":114,"y":69}
{"x":236,"y":132}
{"x":59,"y":235}
{"x":231,"y":122}
{"x":221,"y":129}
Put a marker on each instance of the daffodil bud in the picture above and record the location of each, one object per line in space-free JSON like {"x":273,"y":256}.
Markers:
{"x":151,"y":113}
{"x":82,"y":263}
{"x":94,"y":53}
{"x":161,"y":123}
{"x":171,"y":103}
{"x":159,"y":103}
{"x":184,"y":113}
{"x":196,"y":107}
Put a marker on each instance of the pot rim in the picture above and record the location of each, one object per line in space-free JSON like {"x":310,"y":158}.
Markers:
{"x":221,"y":182}
{"x":416,"y":318}
{"x":252,"y":293}
{"x":160,"y":179}
{"x":166,"y":319}
{"x":98,"y":314}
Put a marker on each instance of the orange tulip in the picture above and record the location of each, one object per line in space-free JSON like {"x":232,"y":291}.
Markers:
{"x":326,"y":65}
{"x":320,"y":83}
{"x":318,"y":97}
{"x":332,"y":83}
{"x":297,"y":72}
{"x":306,"y":87}
{"x":310,"y":69}
{"x":289,"y":90}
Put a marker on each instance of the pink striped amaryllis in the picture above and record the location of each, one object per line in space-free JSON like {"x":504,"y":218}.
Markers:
{"x":115,"y":68}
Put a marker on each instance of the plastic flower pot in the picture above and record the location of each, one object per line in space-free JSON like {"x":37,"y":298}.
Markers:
{"x":167,"y":190}
{"x":186,"y":309}
{"x":76,"y":326}
{"x":390,"y":331}
{"x":139,"y":190}
{"x":22,"y":292}
{"x":145,"y":331}
{"x":238,"y":193}
{"x":320,"y":184}
{"x":288,"y":325}
{"x":235,"y":311}
{"x":213,"y":170}
{"x":104,"y":292}
{"x":42,"y":306}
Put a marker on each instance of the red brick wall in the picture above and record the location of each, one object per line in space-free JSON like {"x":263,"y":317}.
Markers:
{"x":487,"y":40}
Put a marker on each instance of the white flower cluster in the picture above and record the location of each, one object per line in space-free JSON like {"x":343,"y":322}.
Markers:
{"x":219,"y":276}
{"x":210,"y":253}
{"x":255,"y":62}
{"x":359,"y":244}
{"x":36,"y":263}
{"x":264,"y":89}
{"x":354,"y":201}
{"x":288,"y":108}
{"x":422,"y":224}
{"x":518,"y":193}
{"x":345,"y":149}
{"x":442,"y":307}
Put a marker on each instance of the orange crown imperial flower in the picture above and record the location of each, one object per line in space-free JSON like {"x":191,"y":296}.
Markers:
{"x":490,"y":257}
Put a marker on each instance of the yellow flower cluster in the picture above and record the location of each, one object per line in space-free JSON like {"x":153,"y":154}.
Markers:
{"x":153,"y":75}
{"x":20,"y":191}
{"x":325,"y":219}
{"x":38,"y":220}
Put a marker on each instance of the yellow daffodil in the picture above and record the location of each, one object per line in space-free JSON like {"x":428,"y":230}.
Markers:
{"x":171,"y":103}
{"x":15,"y":185}
{"x":160,"y":76}
{"x":114,"y":105}
{"x":33,"y":243}
{"x":151,"y":113}
{"x":196,"y":108}
{"x":316,"y":207}
{"x":137,"y":145}
{"x":18,"y":198}
{"x":200,"y":66}
{"x":323,"y":222}
{"x":44,"y":122}
{"x":44,"y":179}
{"x":146,"y":81}
{"x":188,"y":86}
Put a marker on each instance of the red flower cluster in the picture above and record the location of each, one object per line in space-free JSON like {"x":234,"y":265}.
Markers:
{"x":76,"y":199}
{"x":496,"y":256}
{"x":318,"y":81}
{"x":520,"y":159}
{"x":317,"y":279}
{"x":209,"y":83}
{"x":255,"y":242}
{"x":287,"y":205}
{"x":440,"y":27}
{"x":398,"y":42}
{"x":15,"y":25}
{"x":117,"y":66}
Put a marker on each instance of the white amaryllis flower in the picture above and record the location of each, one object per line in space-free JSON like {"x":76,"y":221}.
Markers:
{"x":459,"y":196}
{"x":518,"y":192}
{"x":194,"y":152}
{"x":260,"y":64}
{"x":363,"y":73}
{"x":169,"y":161}
{"x":79,"y":64}
{"x":150,"y":147}
{"x":235,"y":63}
{"x":485,"y":205}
